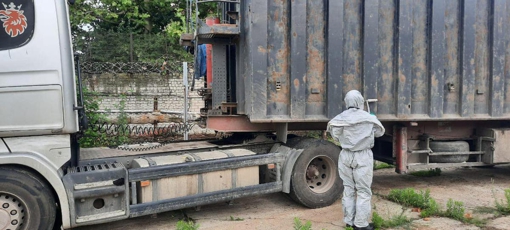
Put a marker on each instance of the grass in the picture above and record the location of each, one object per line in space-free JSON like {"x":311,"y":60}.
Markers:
{"x":382,"y":165}
{"x":187,"y":225}
{"x":504,"y":206}
{"x":394,"y":221}
{"x":427,"y":173}
{"x":298,"y":225}
{"x":455,"y":210}
{"x":236,"y":218}
{"x":410,"y":198}
{"x":429,"y":207}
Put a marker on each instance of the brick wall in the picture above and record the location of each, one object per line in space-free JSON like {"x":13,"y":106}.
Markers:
{"x":140,"y":90}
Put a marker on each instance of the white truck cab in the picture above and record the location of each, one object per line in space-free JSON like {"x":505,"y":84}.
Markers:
{"x":37,"y":107}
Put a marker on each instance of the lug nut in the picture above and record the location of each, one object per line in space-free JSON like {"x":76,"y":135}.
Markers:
{"x":5,"y":205}
{"x":13,"y":212}
{"x":14,"y":222}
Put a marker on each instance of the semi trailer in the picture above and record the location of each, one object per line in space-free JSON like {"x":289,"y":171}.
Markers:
{"x":433,"y":71}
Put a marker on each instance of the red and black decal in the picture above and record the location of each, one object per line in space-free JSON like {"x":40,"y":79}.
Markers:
{"x":16,"y":23}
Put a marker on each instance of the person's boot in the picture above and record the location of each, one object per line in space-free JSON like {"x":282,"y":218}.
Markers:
{"x":369,"y":227}
{"x":349,"y":226}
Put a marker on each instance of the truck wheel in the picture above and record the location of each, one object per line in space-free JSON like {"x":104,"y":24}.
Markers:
{"x":449,"y":146}
{"x":26,"y":202}
{"x":315,"y":181}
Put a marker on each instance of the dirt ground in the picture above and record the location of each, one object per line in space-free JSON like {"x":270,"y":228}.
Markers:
{"x":477,"y":188}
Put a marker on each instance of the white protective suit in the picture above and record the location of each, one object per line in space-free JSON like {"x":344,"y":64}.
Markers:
{"x":355,"y":129}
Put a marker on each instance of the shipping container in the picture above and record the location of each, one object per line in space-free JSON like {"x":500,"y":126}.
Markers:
{"x":422,"y":60}
{"x":430,"y":70}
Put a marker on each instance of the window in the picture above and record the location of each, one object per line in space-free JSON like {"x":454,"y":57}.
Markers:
{"x":16,"y":23}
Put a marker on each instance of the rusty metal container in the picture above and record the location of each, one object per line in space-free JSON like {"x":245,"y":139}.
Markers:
{"x":421,"y":59}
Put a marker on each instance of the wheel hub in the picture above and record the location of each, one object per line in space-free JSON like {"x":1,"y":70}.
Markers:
{"x":312,"y":172}
{"x":320,"y":174}
{"x":11,"y":212}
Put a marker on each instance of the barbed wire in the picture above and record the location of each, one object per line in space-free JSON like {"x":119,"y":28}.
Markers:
{"x":132,"y":67}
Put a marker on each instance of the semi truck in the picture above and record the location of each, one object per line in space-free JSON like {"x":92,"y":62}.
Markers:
{"x":435,"y":73}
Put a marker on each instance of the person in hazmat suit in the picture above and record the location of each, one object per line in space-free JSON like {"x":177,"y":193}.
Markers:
{"x":355,"y":130}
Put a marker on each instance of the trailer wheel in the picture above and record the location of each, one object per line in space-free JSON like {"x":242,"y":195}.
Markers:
{"x":449,"y":146}
{"x":315,"y":181}
{"x":26,"y":202}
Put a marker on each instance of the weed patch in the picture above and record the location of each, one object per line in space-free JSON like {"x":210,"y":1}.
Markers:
{"x":187,"y":225}
{"x":410,"y":198}
{"x":432,"y":209}
{"x":382,"y":165}
{"x":394,"y":221}
{"x":298,"y":225}
{"x":455,"y":210}
{"x":235,"y":218}
{"x":504,"y":206}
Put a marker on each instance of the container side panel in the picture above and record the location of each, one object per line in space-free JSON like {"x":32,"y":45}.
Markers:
{"x":437,"y":59}
{"x":335,"y":57}
{"x":298,"y":59}
{"x":507,"y":59}
{"x":371,"y":54}
{"x":315,"y":44}
{"x":420,"y":79}
{"x":452,"y":62}
{"x":482,"y":58}
{"x":278,"y":56}
{"x":405,"y":56}
{"x":243,"y":80}
{"x":498,"y":58}
{"x":386,"y":80}
{"x":421,"y":59}
{"x":352,"y":45}
{"x":259,"y":19}
{"x":469,"y":10}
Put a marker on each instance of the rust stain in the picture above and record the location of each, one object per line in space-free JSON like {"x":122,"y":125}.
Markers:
{"x":278,"y":67}
{"x":262,"y":50}
{"x":296,"y":83}
{"x":402,"y":78}
{"x":315,"y":77}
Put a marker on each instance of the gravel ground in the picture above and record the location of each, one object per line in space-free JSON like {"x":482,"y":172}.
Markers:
{"x":477,"y":188}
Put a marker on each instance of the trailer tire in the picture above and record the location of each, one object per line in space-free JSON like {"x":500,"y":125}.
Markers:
{"x":315,"y":181}
{"x":26,"y":201}
{"x":449,"y":146}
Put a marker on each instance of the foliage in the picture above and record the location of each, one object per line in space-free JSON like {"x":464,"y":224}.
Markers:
{"x":104,"y":27}
{"x":432,"y":209}
{"x":93,"y":137}
{"x":136,"y":16}
{"x":91,"y":103}
{"x":429,"y":173}
{"x":314,"y":134}
{"x":382,"y":165}
{"x":410,"y":198}
{"x":298,"y":225}
{"x":455,"y":210}
{"x":394,"y":221}
{"x":504,"y":206}
{"x":236,"y":218}
{"x":187,"y":225}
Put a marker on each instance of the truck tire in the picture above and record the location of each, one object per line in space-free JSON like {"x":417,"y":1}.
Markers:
{"x":26,"y":201}
{"x":449,"y":146}
{"x":315,"y":181}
